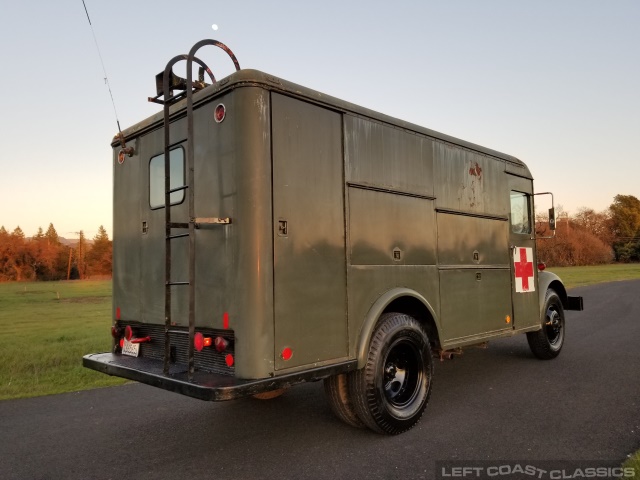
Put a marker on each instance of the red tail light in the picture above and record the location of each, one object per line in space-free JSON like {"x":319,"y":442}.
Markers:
{"x":128,"y":332}
{"x":541,"y":266}
{"x":116,"y":331}
{"x":221,"y":344}
{"x":286,"y":354}
{"x":141,"y":340}
{"x":229,"y":360}
{"x":122,"y":343}
{"x":198,"y":341}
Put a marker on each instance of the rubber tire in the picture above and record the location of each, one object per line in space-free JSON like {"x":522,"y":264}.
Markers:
{"x":337,"y":390}
{"x":540,"y":342}
{"x":269,"y":395}
{"x":395,"y":335}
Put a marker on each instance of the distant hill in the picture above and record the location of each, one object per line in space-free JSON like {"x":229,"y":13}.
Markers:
{"x":73,"y":242}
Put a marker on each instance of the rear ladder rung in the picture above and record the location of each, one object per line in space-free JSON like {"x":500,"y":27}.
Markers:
{"x":177,"y":235}
{"x":177,"y":189}
{"x":177,"y":283}
{"x":178,"y":225}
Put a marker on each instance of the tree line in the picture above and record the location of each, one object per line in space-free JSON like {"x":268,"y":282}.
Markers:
{"x":585,"y":238}
{"x":45,"y":257}
{"x":590,"y":238}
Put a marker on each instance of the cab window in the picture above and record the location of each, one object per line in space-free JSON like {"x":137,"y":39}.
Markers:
{"x":520,"y":213}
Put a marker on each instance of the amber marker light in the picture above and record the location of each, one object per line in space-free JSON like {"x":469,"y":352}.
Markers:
{"x":507,"y":319}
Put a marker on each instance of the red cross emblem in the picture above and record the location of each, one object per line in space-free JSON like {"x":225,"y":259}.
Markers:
{"x":523,"y":266}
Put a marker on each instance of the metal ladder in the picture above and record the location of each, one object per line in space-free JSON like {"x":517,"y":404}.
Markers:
{"x":166,"y":83}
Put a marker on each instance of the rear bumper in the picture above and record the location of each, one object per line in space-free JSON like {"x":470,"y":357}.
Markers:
{"x":204,"y":386}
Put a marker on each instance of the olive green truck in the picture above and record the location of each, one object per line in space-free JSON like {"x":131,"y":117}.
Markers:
{"x":266,"y":234}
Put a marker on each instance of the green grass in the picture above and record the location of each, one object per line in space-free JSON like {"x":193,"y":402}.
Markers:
{"x":633,"y":462}
{"x":46,"y":329}
{"x":580,"y":276}
{"x":48,"y":326}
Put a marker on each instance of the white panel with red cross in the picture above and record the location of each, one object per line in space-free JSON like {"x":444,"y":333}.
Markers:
{"x":523,"y":266}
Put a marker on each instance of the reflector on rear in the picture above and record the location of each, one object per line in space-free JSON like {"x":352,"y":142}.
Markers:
{"x":198,"y":341}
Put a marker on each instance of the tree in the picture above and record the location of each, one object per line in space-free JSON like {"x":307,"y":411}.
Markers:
{"x":6,"y":271}
{"x":625,"y":227}
{"x":596,"y":223}
{"x":80,"y":253}
{"x":50,"y":262}
{"x":52,"y":235}
{"x":579,"y":240}
{"x":15,"y":257}
{"x":99,"y":257}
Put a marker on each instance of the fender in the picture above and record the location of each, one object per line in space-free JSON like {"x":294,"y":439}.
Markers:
{"x":548,"y":280}
{"x":545,"y":281}
{"x":379,"y":306}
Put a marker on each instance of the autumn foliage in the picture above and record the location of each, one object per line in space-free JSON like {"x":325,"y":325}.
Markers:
{"x":585,"y":238}
{"x":45,"y":257}
{"x":590,"y":237}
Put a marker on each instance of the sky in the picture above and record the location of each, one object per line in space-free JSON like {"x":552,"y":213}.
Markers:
{"x":555,"y":83}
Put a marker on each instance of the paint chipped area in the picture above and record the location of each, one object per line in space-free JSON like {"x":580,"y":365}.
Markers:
{"x":475,"y":170}
{"x":471,"y":190}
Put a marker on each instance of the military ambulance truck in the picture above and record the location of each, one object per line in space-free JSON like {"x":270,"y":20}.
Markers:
{"x":266,"y":234}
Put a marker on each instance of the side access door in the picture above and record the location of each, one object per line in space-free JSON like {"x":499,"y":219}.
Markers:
{"x":522,"y":245}
{"x":309,"y":234}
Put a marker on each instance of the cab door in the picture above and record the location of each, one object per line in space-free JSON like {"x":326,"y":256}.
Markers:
{"x":522,"y":252}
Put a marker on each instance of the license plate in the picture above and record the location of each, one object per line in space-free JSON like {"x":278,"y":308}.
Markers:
{"x":131,"y":349}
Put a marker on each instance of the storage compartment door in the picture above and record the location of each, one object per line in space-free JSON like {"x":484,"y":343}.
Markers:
{"x":309,"y":241}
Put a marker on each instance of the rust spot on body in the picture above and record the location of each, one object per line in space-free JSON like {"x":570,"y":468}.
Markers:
{"x":475,"y":170}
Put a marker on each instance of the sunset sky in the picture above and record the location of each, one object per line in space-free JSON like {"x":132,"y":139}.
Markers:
{"x":552,"y":82}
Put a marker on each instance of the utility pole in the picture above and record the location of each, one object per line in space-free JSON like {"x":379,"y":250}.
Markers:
{"x":79,"y":257}
{"x":69,"y":267}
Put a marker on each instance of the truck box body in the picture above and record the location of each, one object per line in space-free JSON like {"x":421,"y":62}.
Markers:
{"x":338,"y":214}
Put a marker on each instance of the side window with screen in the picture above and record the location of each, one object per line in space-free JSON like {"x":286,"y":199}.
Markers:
{"x":520,"y":217}
{"x":176,"y":178}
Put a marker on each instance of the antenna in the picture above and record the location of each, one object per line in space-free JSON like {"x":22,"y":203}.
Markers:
{"x":125,"y":150}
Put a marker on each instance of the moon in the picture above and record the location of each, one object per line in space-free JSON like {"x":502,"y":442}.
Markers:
{"x":214,"y":26}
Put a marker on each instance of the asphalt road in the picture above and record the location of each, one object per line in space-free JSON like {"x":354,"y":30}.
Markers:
{"x":499,"y":404}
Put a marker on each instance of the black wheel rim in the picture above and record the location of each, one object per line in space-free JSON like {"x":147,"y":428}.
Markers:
{"x":553,"y":325}
{"x":403,"y":373}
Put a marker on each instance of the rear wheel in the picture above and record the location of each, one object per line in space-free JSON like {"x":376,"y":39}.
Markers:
{"x":391,"y":392}
{"x":337,"y":391}
{"x":547,"y":342}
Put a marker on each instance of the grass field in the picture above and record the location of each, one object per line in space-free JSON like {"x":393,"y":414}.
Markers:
{"x":48,"y":326}
{"x":46,"y":329}
{"x":634,"y":463}
{"x":580,"y":276}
